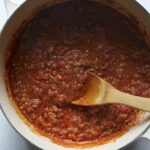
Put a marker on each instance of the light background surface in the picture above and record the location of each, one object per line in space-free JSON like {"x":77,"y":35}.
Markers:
{"x":9,"y":139}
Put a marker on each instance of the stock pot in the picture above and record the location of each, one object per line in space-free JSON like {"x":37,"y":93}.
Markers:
{"x":130,"y":8}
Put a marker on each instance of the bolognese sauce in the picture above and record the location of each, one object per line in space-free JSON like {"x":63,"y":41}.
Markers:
{"x":50,"y":59}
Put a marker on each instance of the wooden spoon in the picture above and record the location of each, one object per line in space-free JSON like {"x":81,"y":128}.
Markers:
{"x":100,"y":92}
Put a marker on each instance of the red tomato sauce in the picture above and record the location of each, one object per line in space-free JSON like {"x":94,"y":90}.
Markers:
{"x":49,"y":63}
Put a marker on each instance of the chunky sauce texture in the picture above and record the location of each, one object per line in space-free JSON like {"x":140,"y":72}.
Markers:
{"x":49,"y":63}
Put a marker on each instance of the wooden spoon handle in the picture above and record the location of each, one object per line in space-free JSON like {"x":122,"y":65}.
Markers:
{"x":115,"y":96}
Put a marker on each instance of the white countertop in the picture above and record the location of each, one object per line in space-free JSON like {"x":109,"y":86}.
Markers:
{"x":9,"y":138}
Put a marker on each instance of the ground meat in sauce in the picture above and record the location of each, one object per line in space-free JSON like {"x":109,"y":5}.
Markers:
{"x":50,"y":58}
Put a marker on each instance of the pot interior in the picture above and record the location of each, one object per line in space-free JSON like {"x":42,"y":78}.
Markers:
{"x":130,"y":8}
